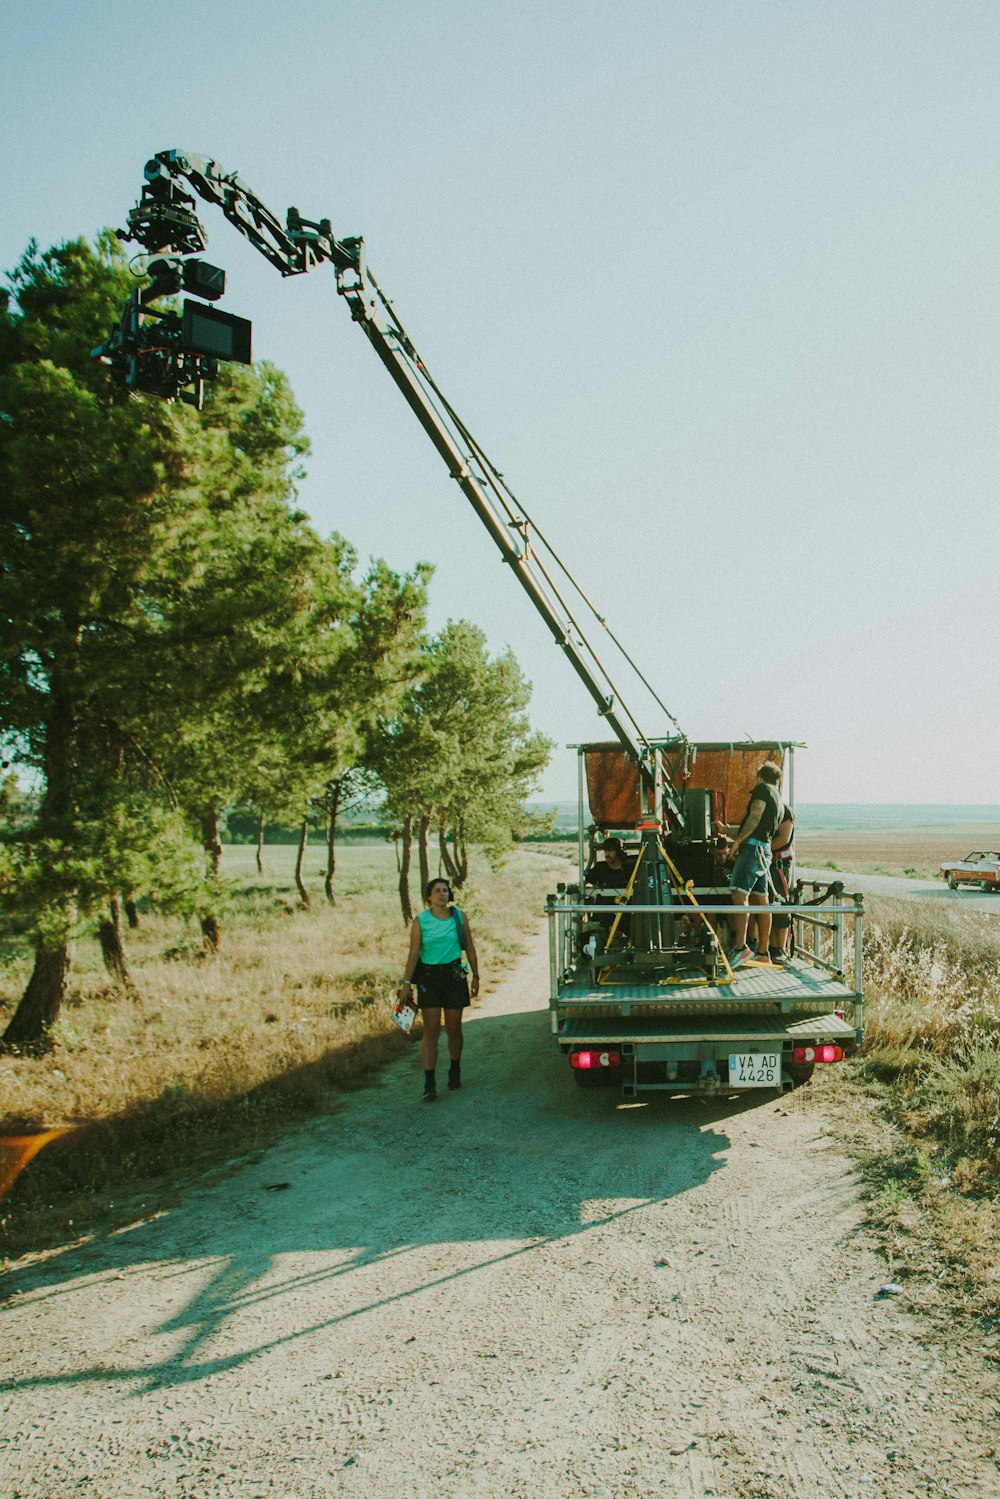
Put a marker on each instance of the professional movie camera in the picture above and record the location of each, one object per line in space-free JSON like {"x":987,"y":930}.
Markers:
{"x":161,"y":351}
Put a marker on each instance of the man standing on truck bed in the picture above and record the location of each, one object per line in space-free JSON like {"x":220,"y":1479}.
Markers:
{"x":751,"y":855}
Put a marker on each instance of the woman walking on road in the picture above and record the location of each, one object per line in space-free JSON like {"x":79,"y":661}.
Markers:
{"x":434,"y":967}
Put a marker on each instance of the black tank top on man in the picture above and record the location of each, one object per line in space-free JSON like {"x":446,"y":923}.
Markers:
{"x":773,"y":808}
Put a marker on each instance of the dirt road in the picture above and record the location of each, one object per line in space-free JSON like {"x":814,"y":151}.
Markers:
{"x":524,"y":1289}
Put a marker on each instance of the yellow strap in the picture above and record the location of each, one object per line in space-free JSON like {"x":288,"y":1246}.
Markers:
{"x":623,"y":900}
{"x":682,"y":889}
{"x":688,"y":890}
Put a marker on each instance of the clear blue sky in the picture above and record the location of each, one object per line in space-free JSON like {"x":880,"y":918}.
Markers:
{"x":714,"y":284}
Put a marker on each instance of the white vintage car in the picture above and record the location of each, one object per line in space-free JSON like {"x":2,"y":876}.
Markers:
{"x":979,"y":868}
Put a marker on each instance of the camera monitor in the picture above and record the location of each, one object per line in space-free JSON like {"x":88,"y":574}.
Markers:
{"x":218,"y":334}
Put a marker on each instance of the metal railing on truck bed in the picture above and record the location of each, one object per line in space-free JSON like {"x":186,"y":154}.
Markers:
{"x":693,"y":1021}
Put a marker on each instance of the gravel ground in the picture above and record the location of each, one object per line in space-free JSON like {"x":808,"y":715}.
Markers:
{"x":525,"y":1289}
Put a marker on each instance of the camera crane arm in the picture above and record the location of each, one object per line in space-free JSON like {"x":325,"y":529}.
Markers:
{"x":165,"y":223}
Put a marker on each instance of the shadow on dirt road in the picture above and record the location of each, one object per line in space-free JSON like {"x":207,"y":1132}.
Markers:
{"x":516,"y":1160}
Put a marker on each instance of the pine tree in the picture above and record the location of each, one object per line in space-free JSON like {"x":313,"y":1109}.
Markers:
{"x":85,"y":476}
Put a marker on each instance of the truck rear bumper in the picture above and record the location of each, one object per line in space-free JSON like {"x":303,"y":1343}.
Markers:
{"x":701,"y":1063}
{"x":672,"y":1057}
{"x":744,"y":1033}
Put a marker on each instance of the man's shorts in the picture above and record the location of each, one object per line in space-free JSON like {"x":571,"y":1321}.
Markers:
{"x":441,"y":986}
{"x":750,"y":870}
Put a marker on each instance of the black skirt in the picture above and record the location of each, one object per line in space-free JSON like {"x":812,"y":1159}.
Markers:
{"x":441,"y":986}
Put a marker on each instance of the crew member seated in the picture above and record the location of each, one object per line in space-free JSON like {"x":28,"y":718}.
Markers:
{"x":610,"y":873}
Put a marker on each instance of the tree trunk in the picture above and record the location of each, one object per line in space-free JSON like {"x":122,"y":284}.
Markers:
{"x":260,"y":844}
{"x":211,"y":931}
{"x":446,"y":859}
{"x":131,"y":913}
{"x":210,"y":836}
{"x":425,"y":862}
{"x":39,"y":1005}
{"x":461,"y":855}
{"x":331,"y":840}
{"x":404,"y":870}
{"x":32,"y":1021}
{"x":109,"y":934}
{"x":213,"y":848}
{"x":300,"y":856}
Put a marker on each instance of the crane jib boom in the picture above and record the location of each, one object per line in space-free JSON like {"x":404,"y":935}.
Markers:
{"x":165,"y":223}
{"x":514,"y":546}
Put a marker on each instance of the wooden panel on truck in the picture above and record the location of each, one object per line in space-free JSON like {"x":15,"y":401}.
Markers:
{"x":612,"y":786}
{"x":729,"y":770}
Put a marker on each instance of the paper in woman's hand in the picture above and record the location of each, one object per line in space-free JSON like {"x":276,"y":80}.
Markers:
{"x":403,"y":1015}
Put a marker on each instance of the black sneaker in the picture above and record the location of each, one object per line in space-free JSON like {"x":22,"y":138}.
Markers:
{"x":430,"y":1087}
{"x":455,"y":1075}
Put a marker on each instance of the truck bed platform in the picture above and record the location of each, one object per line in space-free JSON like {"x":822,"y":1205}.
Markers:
{"x":797,"y":985}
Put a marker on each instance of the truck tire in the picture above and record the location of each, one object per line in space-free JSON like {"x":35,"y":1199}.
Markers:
{"x":952,"y":882}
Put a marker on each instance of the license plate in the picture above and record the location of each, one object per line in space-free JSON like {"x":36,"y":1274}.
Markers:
{"x":755,"y":1069}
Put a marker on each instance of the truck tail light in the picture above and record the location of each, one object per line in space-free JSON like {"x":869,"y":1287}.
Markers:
{"x":828,"y":1052}
{"x":584,"y":1061}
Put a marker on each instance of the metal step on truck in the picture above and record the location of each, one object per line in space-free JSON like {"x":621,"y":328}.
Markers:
{"x":641,"y":990}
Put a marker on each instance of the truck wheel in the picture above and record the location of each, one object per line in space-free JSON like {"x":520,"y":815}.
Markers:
{"x":952,"y":882}
{"x":799,"y":1072}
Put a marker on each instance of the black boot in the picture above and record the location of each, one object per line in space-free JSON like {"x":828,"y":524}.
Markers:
{"x":455,"y":1075}
{"x":430,"y":1087}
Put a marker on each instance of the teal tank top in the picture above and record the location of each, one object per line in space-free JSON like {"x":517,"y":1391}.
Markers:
{"x":438,"y":939}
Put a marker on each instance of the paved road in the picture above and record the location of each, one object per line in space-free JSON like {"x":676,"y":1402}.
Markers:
{"x":904,"y":889}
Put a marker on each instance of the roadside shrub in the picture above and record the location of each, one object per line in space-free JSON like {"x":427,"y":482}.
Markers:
{"x":960,"y":1095}
{"x":932,"y":1028}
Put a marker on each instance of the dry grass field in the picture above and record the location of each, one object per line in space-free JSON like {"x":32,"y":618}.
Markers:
{"x":914,"y":851}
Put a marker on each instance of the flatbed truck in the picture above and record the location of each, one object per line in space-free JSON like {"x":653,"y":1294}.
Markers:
{"x":696,"y":1026}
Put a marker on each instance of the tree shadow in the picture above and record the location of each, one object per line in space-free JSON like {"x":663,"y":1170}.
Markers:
{"x":518,"y":1159}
